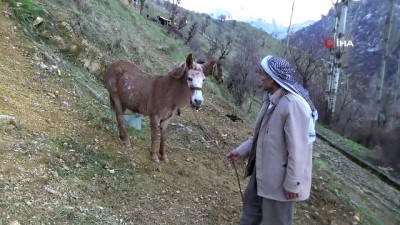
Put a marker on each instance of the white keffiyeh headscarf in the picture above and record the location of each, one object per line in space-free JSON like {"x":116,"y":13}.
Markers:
{"x":283,"y":73}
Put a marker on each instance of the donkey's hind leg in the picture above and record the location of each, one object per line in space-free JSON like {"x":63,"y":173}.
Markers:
{"x":119,"y":114}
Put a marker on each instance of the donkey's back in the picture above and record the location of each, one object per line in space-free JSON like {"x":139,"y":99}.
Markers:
{"x":129,"y":87}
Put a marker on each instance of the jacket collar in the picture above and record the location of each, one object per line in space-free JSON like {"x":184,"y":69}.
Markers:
{"x":274,"y":97}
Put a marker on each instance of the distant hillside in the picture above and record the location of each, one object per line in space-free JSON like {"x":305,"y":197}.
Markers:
{"x":278,"y":31}
{"x":364,"y":28}
{"x":216,"y":29}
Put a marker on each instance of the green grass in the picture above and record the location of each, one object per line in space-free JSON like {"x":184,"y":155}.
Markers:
{"x":143,"y":133}
{"x":84,"y":163}
{"x":255,"y":108}
{"x":337,"y":185}
{"x":75,"y":215}
{"x":26,"y":11}
{"x":368,"y":215}
{"x":343,"y":142}
{"x":318,"y":164}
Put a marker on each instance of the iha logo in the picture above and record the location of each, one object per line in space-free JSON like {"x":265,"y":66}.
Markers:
{"x":330,"y":42}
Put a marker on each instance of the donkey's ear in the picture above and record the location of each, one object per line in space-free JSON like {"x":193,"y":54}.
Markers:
{"x":214,"y":69}
{"x":189,"y":61}
{"x":178,"y":72}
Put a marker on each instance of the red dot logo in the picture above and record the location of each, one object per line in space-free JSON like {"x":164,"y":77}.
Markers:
{"x":329,"y":42}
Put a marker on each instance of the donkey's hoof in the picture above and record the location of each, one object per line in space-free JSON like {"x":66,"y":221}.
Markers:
{"x":127,"y":143}
{"x":165,"y":159}
{"x":155,"y":158}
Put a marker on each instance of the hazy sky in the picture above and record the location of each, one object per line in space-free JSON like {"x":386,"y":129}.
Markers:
{"x":267,"y":9}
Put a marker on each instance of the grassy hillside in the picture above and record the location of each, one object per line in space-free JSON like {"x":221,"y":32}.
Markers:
{"x":62,"y":161}
{"x":96,"y":33}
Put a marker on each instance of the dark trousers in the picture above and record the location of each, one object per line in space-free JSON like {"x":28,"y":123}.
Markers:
{"x":258,"y":210}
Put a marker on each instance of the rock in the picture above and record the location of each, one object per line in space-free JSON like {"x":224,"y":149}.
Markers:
{"x":74,"y":48}
{"x":43,"y":66}
{"x":67,"y":27}
{"x":51,"y":94}
{"x":54,"y":69}
{"x":7,"y":14}
{"x":333,"y":223}
{"x":38,"y":21}
{"x":5,"y":99}
{"x":54,"y":173}
{"x":94,"y":67}
{"x":60,"y":42}
{"x":15,"y":222}
{"x":5,"y":120}
{"x":51,"y":58}
{"x":51,"y":191}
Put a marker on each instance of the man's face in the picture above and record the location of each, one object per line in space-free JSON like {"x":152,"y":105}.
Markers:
{"x":267,"y":81}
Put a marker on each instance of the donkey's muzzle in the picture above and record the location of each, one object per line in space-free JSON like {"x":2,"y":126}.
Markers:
{"x":196,"y":103}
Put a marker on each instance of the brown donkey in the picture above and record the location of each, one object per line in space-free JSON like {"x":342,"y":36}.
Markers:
{"x":158,"y":97}
{"x":213,"y":68}
{"x":210,"y":67}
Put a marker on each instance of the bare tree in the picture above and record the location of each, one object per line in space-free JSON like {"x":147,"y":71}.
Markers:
{"x":234,"y":24}
{"x":192,"y":32}
{"x":288,"y":30}
{"x":195,"y":45}
{"x":330,"y":64}
{"x":222,"y":18}
{"x":214,"y":41}
{"x":226,"y":48}
{"x":396,"y":86}
{"x":204,"y":26}
{"x":182,"y":21}
{"x":142,"y":3}
{"x":307,"y":62}
{"x":253,"y":82}
{"x":333,"y":79}
{"x":395,"y":34}
{"x":379,"y":116}
{"x":173,"y":9}
{"x":346,"y":98}
{"x":243,"y":65}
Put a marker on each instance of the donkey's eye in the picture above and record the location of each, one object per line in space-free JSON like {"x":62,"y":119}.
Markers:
{"x":190,"y":79}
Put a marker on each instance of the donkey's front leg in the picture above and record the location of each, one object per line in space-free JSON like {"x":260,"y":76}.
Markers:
{"x":164,"y":128}
{"x":154,"y":124}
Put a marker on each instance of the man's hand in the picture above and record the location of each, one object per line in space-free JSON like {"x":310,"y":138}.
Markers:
{"x":233,"y":156}
{"x":291,"y":195}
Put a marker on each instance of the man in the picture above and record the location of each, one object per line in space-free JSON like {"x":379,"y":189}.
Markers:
{"x":280,"y":151}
